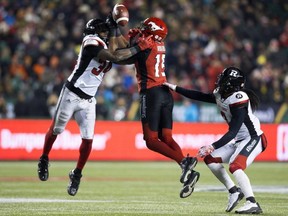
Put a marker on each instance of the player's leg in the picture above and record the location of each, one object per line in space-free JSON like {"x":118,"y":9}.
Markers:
{"x":85,"y":118}
{"x":64,"y":111}
{"x":151,"y":108}
{"x":187,"y":164}
{"x":214,"y":162}
{"x":247,"y":151}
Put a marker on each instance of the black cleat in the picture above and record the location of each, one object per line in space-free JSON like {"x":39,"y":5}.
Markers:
{"x":74,"y":183}
{"x":189,"y":185}
{"x":43,"y":172}
{"x":187,"y":165}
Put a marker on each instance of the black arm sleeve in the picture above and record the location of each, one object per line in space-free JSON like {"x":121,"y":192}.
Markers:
{"x":238,"y":117}
{"x":196,"y":95}
{"x":88,"y":53}
{"x":91,"y":51}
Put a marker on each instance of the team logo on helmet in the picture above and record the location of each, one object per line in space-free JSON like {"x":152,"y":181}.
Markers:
{"x":155,"y":27}
{"x":239,"y":96}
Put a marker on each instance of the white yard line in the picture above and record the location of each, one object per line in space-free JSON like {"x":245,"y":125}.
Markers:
{"x":258,"y":189}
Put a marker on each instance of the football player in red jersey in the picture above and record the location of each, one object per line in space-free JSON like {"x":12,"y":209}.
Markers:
{"x":156,"y":100}
{"x":242,"y":143}
{"x":77,"y":95}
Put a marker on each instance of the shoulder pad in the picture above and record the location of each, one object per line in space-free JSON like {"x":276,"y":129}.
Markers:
{"x":93,"y":40}
{"x":239,"y":97}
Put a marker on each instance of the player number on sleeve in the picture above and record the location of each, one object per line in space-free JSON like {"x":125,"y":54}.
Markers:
{"x":160,"y":65}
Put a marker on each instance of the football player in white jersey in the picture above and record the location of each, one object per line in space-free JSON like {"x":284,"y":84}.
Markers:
{"x":241,"y":144}
{"x":77,"y":96}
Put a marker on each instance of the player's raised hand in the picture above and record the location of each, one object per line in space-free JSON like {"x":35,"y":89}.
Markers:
{"x":134,"y":32}
{"x":111,"y":24}
{"x":145,"y":42}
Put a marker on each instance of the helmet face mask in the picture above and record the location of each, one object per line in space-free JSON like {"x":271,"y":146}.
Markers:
{"x":154,"y":26}
{"x":230,"y":80}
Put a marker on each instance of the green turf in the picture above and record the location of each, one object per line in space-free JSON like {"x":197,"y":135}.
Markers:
{"x":131,"y":188}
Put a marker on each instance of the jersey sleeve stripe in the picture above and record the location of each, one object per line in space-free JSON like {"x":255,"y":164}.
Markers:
{"x":239,"y":103}
{"x":99,"y":41}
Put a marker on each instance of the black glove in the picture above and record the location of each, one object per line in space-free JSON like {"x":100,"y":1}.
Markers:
{"x":110,"y":22}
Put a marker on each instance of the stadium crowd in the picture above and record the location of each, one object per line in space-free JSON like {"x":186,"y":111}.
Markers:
{"x":40,"y":39}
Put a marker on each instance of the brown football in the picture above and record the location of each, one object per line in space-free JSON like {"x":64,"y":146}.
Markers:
{"x":120,"y":14}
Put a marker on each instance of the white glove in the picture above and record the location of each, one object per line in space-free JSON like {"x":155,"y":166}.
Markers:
{"x":205,"y":150}
{"x":171,"y":86}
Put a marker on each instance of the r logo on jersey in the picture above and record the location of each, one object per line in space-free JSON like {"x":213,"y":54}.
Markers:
{"x":239,"y":96}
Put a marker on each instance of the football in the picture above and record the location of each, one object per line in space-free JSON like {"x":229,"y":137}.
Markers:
{"x":120,"y":14}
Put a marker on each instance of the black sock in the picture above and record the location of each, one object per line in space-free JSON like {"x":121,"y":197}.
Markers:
{"x":251,"y":199}
{"x":233,"y":189}
{"x":45,"y":157}
{"x":77,"y":171}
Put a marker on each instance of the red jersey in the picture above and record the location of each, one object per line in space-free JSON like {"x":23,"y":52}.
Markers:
{"x":150,"y":67}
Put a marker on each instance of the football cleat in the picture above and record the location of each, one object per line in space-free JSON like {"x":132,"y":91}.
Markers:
{"x":249,"y":208}
{"x":233,"y":199}
{"x":187,"y":165}
{"x":43,"y":172}
{"x":74,"y":183}
{"x":189,"y":185}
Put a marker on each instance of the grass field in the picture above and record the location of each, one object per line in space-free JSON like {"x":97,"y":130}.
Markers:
{"x":131,"y":188}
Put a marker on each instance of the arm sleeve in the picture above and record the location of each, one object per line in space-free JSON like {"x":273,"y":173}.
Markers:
{"x":238,"y":116}
{"x":196,"y":95}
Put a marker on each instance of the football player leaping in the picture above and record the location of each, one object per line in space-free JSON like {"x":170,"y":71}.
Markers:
{"x":243,"y":142}
{"x":77,"y":96}
{"x":156,"y":100}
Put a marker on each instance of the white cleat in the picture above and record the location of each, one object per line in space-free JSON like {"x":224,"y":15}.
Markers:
{"x":249,"y":208}
{"x":233,"y":199}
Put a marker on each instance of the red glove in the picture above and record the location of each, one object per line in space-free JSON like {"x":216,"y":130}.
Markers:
{"x":133,"y":32}
{"x":145,"y":42}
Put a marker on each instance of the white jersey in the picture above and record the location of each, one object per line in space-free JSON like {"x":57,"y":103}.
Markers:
{"x":250,"y":125}
{"x":89,"y":78}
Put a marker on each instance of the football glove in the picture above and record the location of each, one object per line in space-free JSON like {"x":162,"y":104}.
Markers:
{"x":205,"y":150}
{"x":133,"y":32}
{"x":145,"y":42}
{"x":171,"y":86}
{"x":111,"y":24}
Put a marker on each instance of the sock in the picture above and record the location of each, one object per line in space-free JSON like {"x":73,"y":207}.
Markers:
{"x":49,"y":141}
{"x":219,"y":171}
{"x":243,"y":182}
{"x":77,"y":171}
{"x":84,"y":150}
{"x":251,"y":199}
{"x":233,"y":189}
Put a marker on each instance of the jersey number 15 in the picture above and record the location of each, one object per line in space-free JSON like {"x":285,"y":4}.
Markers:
{"x":160,"y":65}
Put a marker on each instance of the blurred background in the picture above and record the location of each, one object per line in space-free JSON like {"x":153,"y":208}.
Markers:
{"x":40,"y":41}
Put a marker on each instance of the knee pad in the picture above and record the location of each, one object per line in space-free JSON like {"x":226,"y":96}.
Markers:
{"x":235,"y":166}
{"x":209,"y":159}
{"x":238,"y":163}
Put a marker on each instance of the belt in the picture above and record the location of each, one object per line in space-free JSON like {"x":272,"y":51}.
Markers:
{"x":77,"y":91}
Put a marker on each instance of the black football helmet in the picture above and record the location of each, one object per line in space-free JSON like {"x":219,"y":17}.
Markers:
{"x":95,"y":26}
{"x":231,"y":79}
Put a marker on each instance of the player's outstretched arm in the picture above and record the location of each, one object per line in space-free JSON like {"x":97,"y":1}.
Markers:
{"x":123,"y":54}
